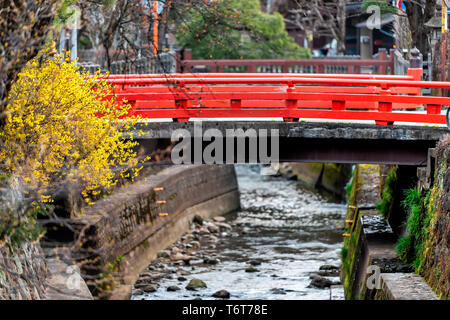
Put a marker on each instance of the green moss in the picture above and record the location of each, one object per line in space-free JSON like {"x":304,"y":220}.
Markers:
{"x":114,"y":266}
{"x":348,"y":189}
{"x":172,"y":196}
{"x":353,"y":189}
{"x":384,"y":206}
{"x":411,"y":248}
{"x":402,"y":247}
{"x":344,"y":253}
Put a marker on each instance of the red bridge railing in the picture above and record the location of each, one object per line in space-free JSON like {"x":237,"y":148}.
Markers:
{"x":381,"y":98}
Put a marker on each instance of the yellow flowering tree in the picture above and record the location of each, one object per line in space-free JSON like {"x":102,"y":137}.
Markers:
{"x":61,"y":128}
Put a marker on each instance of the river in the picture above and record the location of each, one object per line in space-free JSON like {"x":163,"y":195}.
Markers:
{"x":289,"y":229}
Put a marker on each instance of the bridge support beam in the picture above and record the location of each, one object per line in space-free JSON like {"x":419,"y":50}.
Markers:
{"x":308,"y":142}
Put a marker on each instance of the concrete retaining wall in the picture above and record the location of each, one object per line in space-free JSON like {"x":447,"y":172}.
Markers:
{"x":328,"y":177}
{"x":404,"y":286}
{"x":369,"y":245}
{"x":124,"y":231}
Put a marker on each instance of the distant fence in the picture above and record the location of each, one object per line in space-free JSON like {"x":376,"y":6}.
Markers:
{"x":382,"y":65}
{"x":163,"y":63}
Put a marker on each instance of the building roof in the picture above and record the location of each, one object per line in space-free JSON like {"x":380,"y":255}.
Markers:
{"x":435,"y":22}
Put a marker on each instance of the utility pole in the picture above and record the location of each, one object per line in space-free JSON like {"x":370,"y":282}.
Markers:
{"x":155,"y":27}
{"x":444,"y":16}
{"x":62,"y":39}
{"x":74,"y":42}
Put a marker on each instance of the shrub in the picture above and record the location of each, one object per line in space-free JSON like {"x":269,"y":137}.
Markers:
{"x":60,"y":128}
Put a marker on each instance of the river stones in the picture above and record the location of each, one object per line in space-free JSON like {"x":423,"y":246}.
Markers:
{"x":223,"y":226}
{"x":332,"y":273}
{"x":251,"y":269}
{"x":163,"y":254}
{"x":195,"y":284}
{"x":328,"y":270}
{"x":277,"y":291}
{"x":187,"y":251}
{"x":329,"y":267}
{"x":182,"y":272}
{"x":212,"y":238}
{"x":198,"y":219}
{"x":149,"y":288}
{"x":188,"y":238}
{"x":213,"y":228}
{"x":203,"y":231}
{"x":173,"y":288}
{"x":254,"y":263}
{"x":211,"y":261}
{"x":138,"y":292}
{"x":182,"y":257}
{"x":223,"y":294}
{"x":319,"y":282}
{"x":195,"y":244}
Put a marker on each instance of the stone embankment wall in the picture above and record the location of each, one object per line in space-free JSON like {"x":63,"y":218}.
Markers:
{"x":23,"y":273}
{"x":435,"y":263}
{"x":329,"y":177}
{"x":370,"y":242}
{"x":27,"y":274}
{"x":124,"y":231}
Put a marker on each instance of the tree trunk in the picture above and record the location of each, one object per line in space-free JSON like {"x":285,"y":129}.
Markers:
{"x":417,"y":17}
{"x":341,"y":25}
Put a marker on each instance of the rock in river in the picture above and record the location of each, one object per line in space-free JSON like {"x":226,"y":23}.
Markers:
{"x":195,"y":284}
{"x":224,"y":226}
{"x":211,"y":261}
{"x":278,"y":291}
{"x":149,"y":289}
{"x":224,"y":294}
{"x":254,"y":262}
{"x":251,"y":269}
{"x":163,"y":254}
{"x":329,"y":267}
{"x":184,"y":258}
{"x":173,"y":288}
{"x":198,"y":219}
{"x":213,"y":228}
{"x":320,"y":282}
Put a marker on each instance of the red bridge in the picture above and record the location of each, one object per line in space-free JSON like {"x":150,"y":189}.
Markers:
{"x":384,"y":99}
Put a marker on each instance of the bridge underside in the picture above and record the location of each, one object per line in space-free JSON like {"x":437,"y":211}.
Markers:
{"x":313,"y":142}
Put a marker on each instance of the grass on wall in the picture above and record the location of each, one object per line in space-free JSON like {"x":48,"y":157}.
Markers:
{"x":410,"y":247}
{"x":387,"y":195}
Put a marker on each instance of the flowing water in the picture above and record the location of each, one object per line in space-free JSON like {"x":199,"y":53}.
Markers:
{"x":291,"y":230}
